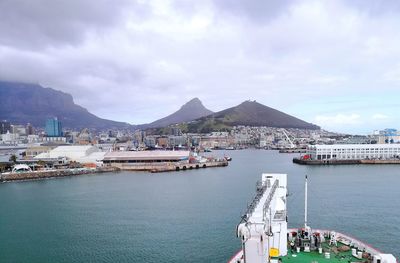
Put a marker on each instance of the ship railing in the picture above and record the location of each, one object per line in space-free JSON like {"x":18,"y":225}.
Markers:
{"x":269,"y":199}
{"x":260,"y":190}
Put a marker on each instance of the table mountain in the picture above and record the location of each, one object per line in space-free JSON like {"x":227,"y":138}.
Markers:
{"x":22,"y":103}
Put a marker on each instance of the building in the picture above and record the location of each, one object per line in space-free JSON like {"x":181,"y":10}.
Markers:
{"x":145,"y":157}
{"x":353,"y":151}
{"x":18,"y":129}
{"x":150,"y":141}
{"x":35,"y":150}
{"x":39,"y":139}
{"x":53,"y":128}
{"x":84,"y":137}
{"x":387,"y":136}
{"x":218,"y":140}
{"x":10,"y":138}
{"x":162,"y":142}
{"x":175,"y":141}
{"x":29,"y":129}
{"x":81,"y":153}
{"x":5,"y":127}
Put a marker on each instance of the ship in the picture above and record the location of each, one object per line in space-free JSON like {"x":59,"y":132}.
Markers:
{"x":265,"y":236}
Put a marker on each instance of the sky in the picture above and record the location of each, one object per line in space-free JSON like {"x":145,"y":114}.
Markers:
{"x":333,"y":63}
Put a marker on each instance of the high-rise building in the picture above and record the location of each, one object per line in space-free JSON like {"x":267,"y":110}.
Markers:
{"x":53,"y":128}
{"x":5,"y":127}
{"x":29,"y":129}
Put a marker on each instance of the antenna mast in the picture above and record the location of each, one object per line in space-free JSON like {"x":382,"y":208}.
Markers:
{"x":305,"y":204}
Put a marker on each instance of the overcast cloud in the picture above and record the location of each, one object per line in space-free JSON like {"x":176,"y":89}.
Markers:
{"x":333,"y":63}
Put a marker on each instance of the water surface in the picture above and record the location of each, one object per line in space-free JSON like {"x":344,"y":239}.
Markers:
{"x":187,"y":216}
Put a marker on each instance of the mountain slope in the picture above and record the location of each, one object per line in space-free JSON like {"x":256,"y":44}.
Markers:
{"x":248,"y":113}
{"x":22,"y":103}
{"x":192,"y":110}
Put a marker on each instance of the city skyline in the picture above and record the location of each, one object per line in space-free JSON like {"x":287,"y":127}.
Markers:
{"x":334,"y":64}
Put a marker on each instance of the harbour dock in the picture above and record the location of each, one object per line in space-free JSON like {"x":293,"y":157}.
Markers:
{"x":344,"y":162}
{"x":167,"y":166}
{"x":160,"y":161}
{"x":294,"y":150}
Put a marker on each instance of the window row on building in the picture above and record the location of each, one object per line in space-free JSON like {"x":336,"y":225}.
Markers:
{"x":354,"y":151}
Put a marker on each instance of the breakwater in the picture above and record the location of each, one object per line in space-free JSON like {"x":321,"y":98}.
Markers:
{"x":35,"y":175}
{"x":344,"y":162}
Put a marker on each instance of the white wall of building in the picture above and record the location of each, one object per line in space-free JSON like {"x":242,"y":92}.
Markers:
{"x":354,"y":151}
{"x":73,"y":153}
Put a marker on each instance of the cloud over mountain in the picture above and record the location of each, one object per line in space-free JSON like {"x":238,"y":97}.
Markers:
{"x":122,"y":59}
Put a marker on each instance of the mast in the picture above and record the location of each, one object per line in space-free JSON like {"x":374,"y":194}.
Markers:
{"x":305,"y":203}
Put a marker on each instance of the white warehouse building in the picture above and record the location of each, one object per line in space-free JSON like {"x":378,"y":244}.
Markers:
{"x":78,"y":153}
{"x":353,"y":151}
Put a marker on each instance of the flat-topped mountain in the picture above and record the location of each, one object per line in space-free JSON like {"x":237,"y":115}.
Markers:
{"x":190,"y":111}
{"x":22,"y":103}
{"x":248,"y":113}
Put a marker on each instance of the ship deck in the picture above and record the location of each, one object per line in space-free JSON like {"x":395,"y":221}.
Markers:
{"x":314,"y":256}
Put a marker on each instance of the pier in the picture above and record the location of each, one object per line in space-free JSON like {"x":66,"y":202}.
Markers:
{"x":167,"y":166}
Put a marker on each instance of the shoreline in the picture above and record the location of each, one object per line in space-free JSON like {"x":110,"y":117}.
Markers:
{"x":40,"y":175}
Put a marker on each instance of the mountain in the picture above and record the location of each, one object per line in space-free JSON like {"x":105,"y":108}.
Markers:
{"x":248,"y":113}
{"x":190,"y":111}
{"x":21,"y":103}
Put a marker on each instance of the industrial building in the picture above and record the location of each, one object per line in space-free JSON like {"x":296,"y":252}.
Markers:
{"x":387,"y":136}
{"x":353,"y":151}
{"x":145,"y":156}
{"x":78,"y":153}
{"x":34,"y":150}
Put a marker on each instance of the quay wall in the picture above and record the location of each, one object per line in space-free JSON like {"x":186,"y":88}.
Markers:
{"x":292,"y":151}
{"x":166,"y":167}
{"x":35,"y":175}
{"x":154,"y":168}
{"x":343,"y":162}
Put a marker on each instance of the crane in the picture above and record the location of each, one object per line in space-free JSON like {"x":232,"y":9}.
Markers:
{"x":287,"y":137}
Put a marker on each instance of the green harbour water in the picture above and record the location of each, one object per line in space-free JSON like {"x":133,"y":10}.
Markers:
{"x":188,"y":216}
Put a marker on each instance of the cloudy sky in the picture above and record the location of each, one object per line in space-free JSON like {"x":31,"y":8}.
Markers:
{"x":333,"y":63}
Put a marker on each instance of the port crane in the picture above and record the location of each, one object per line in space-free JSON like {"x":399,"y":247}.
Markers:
{"x":289,"y":140}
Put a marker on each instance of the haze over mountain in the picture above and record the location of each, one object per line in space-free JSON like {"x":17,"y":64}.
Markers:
{"x":22,"y":103}
{"x":248,"y":113}
{"x":190,"y":111}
